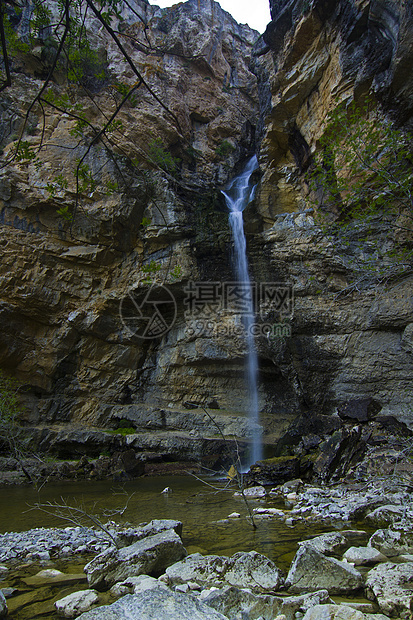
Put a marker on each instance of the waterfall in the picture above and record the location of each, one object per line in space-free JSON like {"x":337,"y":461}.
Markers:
{"x":238,"y":195}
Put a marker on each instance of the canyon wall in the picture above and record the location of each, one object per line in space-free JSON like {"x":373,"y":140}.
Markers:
{"x":66,"y":307}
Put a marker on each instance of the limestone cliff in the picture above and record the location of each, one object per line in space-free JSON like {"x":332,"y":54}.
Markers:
{"x":63,"y":283}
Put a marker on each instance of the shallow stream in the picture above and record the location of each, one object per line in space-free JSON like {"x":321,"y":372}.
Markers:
{"x":202,"y":510}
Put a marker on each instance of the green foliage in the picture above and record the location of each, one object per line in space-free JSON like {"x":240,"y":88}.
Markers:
{"x":363,"y":172}
{"x":176,"y":272}
{"x":162,"y":158}
{"x":11,"y":433}
{"x":124,"y":89}
{"x":224,"y":149}
{"x":146,"y":221}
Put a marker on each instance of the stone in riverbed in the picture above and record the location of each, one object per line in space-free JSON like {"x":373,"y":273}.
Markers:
{"x":234,"y":602}
{"x":76,"y":603}
{"x":246,"y":570}
{"x":312,"y":570}
{"x":3,"y":605}
{"x":152,"y":554}
{"x":334,"y":543}
{"x":51,"y":576}
{"x":392,"y":542}
{"x":160,"y":603}
{"x":363,"y":556}
{"x":333,"y":612}
{"x":390,"y":585}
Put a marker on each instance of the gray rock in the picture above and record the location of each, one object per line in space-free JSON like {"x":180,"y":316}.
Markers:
{"x":149,"y":555}
{"x":134,"y":585}
{"x":392,"y":542}
{"x":389,"y":585}
{"x":333,"y":612}
{"x":3,"y":605}
{"x":76,"y":603}
{"x":311,"y":570}
{"x":233,"y":602}
{"x":334,"y":543}
{"x":160,"y":604}
{"x":246,"y":570}
{"x":364,"y":555}
{"x":388,"y":514}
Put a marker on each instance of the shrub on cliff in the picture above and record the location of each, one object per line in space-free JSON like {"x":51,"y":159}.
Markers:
{"x":363,"y":174}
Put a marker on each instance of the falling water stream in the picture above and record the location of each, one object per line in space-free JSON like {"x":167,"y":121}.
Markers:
{"x":238,"y":195}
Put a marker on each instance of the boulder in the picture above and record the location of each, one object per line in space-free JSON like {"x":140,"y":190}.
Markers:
{"x":333,"y":612}
{"x":312,"y":570}
{"x":360,"y":409}
{"x":233,"y":602}
{"x":151,"y":555}
{"x":159,"y":604}
{"x":388,"y":514}
{"x":3,"y":605}
{"x":363,"y":556}
{"x":390,"y":586}
{"x":134,"y":585}
{"x":392,"y":542}
{"x":76,"y":603}
{"x":334,"y":543}
{"x":245,"y":570}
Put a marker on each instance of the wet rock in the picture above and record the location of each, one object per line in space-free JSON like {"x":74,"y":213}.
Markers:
{"x":3,"y":605}
{"x":247,"y":570}
{"x":390,"y":586}
{"x":312,"y":570}
{"x":233,"y":602}
{"x":52,"y":576}
{"x":331,"y":612}
{"x":361,"y":556}
{"x":159,"y":603}
{"x":76,"y":603}
{"x":149,"y":555}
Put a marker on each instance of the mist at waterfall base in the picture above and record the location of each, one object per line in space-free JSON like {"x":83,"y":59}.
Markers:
{"x":238,"y":194}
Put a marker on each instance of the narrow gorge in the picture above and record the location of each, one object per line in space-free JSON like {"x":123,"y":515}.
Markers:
{"x":92,"y":220}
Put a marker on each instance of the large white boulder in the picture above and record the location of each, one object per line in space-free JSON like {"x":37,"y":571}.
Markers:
{"x":76,"y":603}
{"x":312,"y":570}
{"x":151,"y":555}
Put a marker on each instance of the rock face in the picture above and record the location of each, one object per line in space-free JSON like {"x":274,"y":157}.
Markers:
{"x":67,"y":314}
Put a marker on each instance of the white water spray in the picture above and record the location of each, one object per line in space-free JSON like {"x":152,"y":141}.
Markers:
{"x":238,"y":195}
